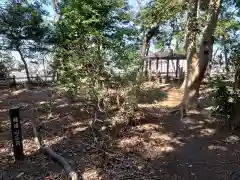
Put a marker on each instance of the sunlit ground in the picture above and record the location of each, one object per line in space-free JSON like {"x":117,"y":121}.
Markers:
{"x":159,"y":147}
{"x":171,"y":95}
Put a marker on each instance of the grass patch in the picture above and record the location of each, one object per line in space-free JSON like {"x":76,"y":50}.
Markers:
{"x":151,"y":95}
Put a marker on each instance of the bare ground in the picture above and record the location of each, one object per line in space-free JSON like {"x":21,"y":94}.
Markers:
{"x":159,"y":146}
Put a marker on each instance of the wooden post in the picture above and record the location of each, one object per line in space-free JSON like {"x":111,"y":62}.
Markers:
{"x":173,"y":64}
{"x":157,"y":70}
{"x":150,"y":70}
{"x":37,"y":79}
{"x":146,"y":67}
{"x":14,"y":81}
{"x":14,"y":114}
{"x":177,"y":68}
{"x":181,"y":74}
{"x":167,"y":70}
{"x":161,"y":65}
{"x":143,"y":65}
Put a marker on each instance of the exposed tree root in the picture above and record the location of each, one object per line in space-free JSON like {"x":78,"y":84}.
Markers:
{"x":183,"y":111}
{"x":234,"y":175}
{"x":47,"y":150}
{"x":175,"y":110}
{"x":179,"y":109}
{"x":61,"y":161}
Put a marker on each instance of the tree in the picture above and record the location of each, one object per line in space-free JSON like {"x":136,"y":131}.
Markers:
{"x":3,"y":70}
{"x":95,"y":42}
{"x":153,"y":17}
{"x":202,"y":17}
{"x":203,"y":55}
{"x":190,"y":47}
{"x":7,"y":63}
{"x":227,"y":28}
{"x":22,"y":29}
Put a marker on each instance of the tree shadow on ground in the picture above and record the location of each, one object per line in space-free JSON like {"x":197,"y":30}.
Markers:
{"x":165,"y":149}
{"x":194,"y":148}
{"x":158,"y":146}
{"x":22,"y":98}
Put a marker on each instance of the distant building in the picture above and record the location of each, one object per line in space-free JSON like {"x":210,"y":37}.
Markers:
{"x":166,"y":63}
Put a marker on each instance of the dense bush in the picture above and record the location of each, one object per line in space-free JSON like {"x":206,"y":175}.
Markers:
{"x":96,"y":54}
{"x":226,"y":91}
{"x":222,"y":96}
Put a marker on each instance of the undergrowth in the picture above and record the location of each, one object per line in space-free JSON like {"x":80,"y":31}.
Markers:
{"x":224,"y":97}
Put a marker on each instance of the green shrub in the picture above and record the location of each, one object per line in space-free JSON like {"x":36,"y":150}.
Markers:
{"x":222,"y":97}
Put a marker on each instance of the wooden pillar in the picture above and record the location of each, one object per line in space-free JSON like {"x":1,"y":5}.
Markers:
{"x":149,"y":65}
{"x":167,"y":69}
{"x":146,"y":67}
{"x":161,"y":68}
{"x":14,"y":114}
{"x":13,"y":83}
{"x":177,"y":67}
{"x":149,"y":69}
{"x":181,"y":74}
{"x":158,"y":74}
{"x":173,"y":64}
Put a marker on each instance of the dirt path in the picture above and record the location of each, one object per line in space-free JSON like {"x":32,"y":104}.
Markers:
{"x":159,"y":147}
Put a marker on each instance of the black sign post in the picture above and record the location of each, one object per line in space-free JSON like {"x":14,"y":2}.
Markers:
{"x":16,"y":133}
{"x":14,"y":81}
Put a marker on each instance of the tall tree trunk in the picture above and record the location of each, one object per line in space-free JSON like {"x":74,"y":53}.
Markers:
{"x":190,"y":36}
{"x":146,"y":43}
{"x":205,"y":51}
{"x":144,"y":47}
{"x":209,"y":66}
{"x":146,"y":40}
{"x":145,"y":68}
{"x":190,"y":48}
{"x":25,"y":64}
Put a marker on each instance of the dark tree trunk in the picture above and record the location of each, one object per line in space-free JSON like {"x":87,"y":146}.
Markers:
{"x":146,"y":43}
{"x":25,"y":64}
{"x":144,"y":47}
